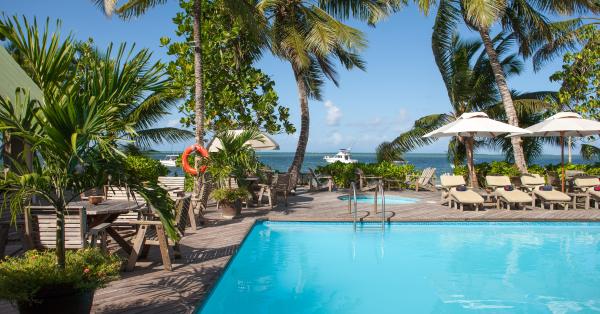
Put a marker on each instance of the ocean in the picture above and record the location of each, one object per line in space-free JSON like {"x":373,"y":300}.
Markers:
{"x":280,"y":161}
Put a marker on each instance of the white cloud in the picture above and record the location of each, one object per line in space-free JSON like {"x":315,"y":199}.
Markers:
{"x":334,"y":114}
{"x":173,"y":123}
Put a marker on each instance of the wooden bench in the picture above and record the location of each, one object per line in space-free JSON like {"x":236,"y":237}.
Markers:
{"x":152,"y":232}
{"x":40,"y":228}
{"x":174,"y":185}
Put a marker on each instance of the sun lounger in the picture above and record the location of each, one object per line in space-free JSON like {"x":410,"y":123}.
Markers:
{"x":498,"y":184}
{"x":533,"y":182}
{"x":425,"y":180}
{"x":460,"y":198}
{"x":585,"y":187}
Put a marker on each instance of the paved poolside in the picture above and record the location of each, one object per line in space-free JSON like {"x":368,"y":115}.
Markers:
{"x":150,"y":289}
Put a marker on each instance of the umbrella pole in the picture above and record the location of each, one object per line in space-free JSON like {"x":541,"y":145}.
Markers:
{"x":562,"y":161}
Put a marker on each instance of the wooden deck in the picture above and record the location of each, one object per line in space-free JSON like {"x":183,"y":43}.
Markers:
{"x":150,"y":289}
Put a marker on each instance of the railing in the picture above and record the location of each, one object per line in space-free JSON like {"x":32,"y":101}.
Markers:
{"x":354,"y":209}
{"x":382,"y":192}
{"x":350,"y":198}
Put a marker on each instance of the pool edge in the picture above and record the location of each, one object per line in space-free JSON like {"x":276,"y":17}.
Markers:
{"x":210,"y":289}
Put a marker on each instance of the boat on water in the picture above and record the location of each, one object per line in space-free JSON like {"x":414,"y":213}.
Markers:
{"x":169,"y":160}
{"x":342,"y":156}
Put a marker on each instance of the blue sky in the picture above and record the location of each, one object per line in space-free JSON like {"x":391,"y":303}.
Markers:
{"x":401,"y":82}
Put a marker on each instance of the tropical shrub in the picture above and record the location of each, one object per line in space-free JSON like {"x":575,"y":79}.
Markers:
{"x":86,"y":269}
{"x":343,"y":174}
{"x":145,"y":169}
{"x":228,"y":195}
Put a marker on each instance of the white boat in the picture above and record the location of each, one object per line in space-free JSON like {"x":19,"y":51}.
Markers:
{"x":169,"y":160}
{"x":342,"y":156}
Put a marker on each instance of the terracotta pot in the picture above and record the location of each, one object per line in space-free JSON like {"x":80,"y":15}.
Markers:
{"x":59,"y":299}
{"x":231,"y":210}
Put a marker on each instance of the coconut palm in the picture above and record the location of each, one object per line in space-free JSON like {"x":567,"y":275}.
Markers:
{"x":75,"y":131}
{"x":471,"y":87}
{"x":148,"y":98}
{"x":310,"y":36}
{"x":528,"y":23}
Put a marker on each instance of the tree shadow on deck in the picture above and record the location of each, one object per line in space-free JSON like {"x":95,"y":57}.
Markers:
{"x":177,"y":291}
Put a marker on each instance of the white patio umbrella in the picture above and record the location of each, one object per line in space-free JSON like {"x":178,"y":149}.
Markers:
{"x":471,"y":125}
{"x":264,"y":143}
{"x":563,"y":124}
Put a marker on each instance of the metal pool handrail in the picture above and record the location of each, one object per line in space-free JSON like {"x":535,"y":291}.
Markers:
{"x":382,"y":192}
{"x":353,"y":186}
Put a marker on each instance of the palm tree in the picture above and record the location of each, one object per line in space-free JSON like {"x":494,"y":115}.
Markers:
{"x":471,"y":87}
{"x":310,"y":36}
{"x":79,"y":123}
{"x":529,"y":25}
{"x":241,"y":9}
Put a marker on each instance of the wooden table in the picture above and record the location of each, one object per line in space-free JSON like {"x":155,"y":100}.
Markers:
{"x":108,"y":211}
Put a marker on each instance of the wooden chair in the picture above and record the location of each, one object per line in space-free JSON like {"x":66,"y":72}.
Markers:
{"x":202,"y":200}
{"x":5,"y":225}
{"x":426,"y":180}
{"x":123,"y":223}
{"x":152,"y":232}
{"x":40,"y":228}
{"x":366,"y":183}
{"x":174,"y":185}
{"x":319,"y":182}
{"x":279,"y":185}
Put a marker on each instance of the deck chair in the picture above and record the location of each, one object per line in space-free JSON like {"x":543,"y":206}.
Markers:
{"x":152,"y":232}
{"x":174,"y":185}
{"x":123,"y":222}
{"x":425,"y":180}
{"x":366,"y":183}
{"x":533,"y":182}
{"x":319,"y":182}
{"x":457,"y":198}
{"x":504,"y":197}
{"x":9,"y":229}
{"x":40,"y":229}
{"x":584,"y":186}
{"x":278,"y":186}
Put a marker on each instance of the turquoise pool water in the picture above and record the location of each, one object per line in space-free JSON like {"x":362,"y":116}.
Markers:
{"x":389,"y":199}
{"x":413,"y":268}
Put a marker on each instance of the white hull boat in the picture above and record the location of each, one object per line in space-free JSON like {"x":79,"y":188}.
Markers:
{"x":169,"y":160}
{"x":342,"y":156}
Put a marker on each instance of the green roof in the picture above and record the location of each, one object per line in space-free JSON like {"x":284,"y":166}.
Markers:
{"x":13,"y":76}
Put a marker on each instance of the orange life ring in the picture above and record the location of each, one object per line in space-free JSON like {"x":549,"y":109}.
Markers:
{"x":184,"y":158}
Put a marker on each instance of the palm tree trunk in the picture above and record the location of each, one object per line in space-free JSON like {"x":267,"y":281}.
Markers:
{"x":198,"y":94}
{"x":509,"y":107}
{"x":60,"y":207}
{"x":470,"y":163}
{"x":294,"y":169}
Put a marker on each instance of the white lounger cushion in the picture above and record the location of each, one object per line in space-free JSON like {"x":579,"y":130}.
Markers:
{"x":554,"y":196}
{"x":466,"y":197}
{"x":514,"y":196}
{"x":586,"y":182}
{"x":496,"y":181}
{"x":452,"y":181}
{"x":532,"y":180}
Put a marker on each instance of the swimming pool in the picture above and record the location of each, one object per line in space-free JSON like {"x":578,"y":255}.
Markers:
{"x":389,"y":199}
{"x":286,"y":267}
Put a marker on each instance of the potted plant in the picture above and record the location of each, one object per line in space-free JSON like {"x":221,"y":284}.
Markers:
{"x":231,"y":163}
{"x":37,"y":286}
{"x":230,"y":200}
